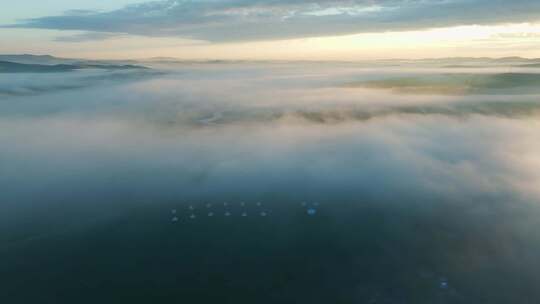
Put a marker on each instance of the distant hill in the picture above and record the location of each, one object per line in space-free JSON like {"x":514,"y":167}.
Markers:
{"x":36,"y":59}
{"x":162,"y":59}
{"x":14,"y":67}
{"x":532,"y":65}
{"x":106,"y":66}
{"x":51,"y":60}
{"x":512,"y":59}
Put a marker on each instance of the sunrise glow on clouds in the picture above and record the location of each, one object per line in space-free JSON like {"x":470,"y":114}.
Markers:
{"x":314,"y":30}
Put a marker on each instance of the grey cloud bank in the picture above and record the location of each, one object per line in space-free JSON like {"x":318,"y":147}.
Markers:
{"x":225,"y":21}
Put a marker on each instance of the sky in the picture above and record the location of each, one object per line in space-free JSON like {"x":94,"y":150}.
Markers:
{"x":273,"y":29}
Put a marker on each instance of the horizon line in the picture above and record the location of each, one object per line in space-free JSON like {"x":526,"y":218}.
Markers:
{"x":165,"y":58}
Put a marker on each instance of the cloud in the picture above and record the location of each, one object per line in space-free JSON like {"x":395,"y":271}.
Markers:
{"x":243,"y":20}
{"x":290,"y":134}
{"x":88,"y":36}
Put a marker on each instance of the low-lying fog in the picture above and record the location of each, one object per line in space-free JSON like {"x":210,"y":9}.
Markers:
{"x":254,"y":129}
{"x":80,"y":147}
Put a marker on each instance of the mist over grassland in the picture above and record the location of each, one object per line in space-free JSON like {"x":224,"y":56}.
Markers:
{"x":198,"y":126}
{"x":448,"y":156}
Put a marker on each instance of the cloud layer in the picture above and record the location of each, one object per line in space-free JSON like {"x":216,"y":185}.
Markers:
{"x":243,"y":20}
